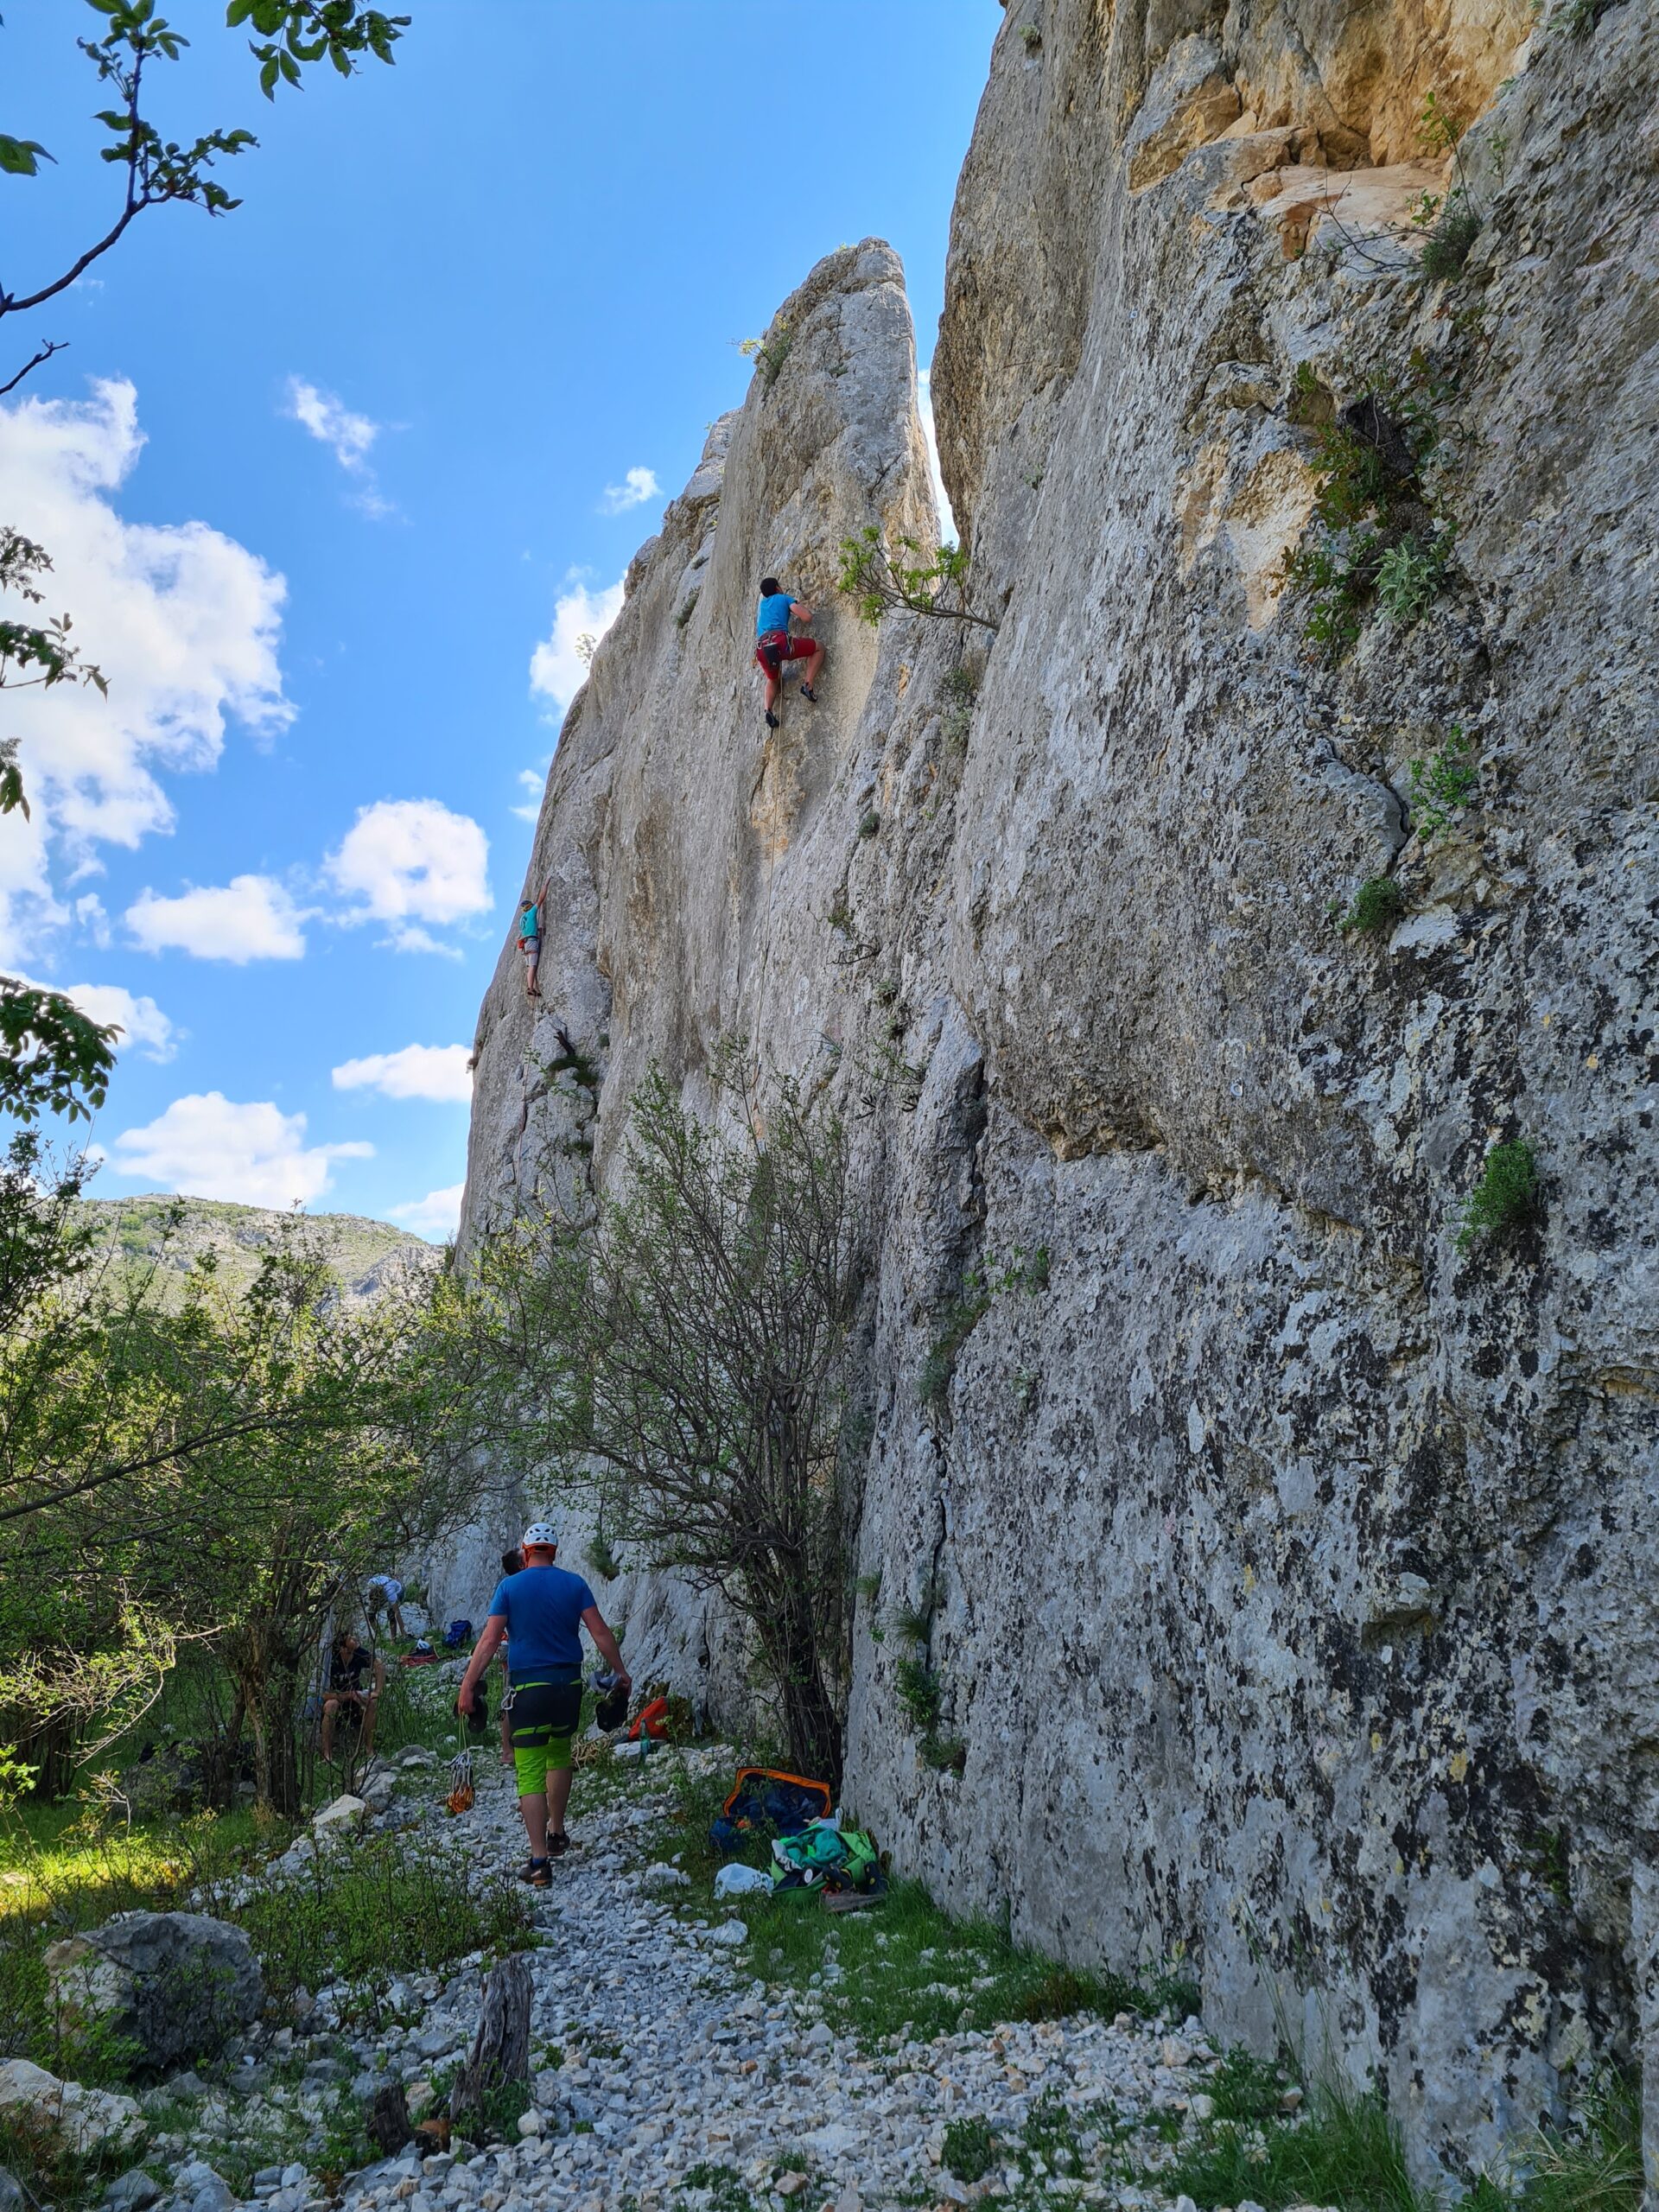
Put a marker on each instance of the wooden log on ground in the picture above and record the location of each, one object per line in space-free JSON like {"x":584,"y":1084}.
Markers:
{"x":501,"y":2052}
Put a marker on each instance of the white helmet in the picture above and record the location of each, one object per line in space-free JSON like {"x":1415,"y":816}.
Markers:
{"x":540,"y":1534}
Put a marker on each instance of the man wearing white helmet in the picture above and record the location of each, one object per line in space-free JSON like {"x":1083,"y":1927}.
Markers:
{"x":541,"y":1612}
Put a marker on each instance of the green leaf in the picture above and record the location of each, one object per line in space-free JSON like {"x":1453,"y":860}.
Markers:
{"x":268,"y":79}
{"x":21,"y":156}
{"x":238,"y":12}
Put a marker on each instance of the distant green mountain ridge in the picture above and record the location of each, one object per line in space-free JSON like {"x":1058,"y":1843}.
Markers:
{"x":172,"y":1234}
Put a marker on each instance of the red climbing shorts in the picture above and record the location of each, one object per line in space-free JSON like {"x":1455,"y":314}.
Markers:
{"x":775,"y":648}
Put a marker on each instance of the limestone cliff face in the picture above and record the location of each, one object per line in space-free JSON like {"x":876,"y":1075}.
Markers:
{"x":1294,"y":1571}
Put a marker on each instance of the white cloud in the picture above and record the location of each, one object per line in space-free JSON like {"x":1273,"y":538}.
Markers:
{"x":140,"y":1020}
{"x":636,"y":487}
{"x":411,"y":860}
{"x":531,"y":782}
{"x":183,"y":621}
{"x":438,"y":1214}
{"x":941,"y":498}
{"x":347,"y":436}
{"x":206,"y":1146}
{"x":558,"y":667}
{"x":249,"y":918}
{"x":332,"y":423}
{"x":416,"y":1071}
{"x":93,"y":917}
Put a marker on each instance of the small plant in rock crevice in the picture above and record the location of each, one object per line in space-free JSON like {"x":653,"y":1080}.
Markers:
{"x":769,"y":353}
{"x":1378,"y":905}
{"x":1411,"y":574}
{"x":1031,"y":38}
{"x":1505,"y":1197}
{"x":1378,"y":537}
{"x":980,"y":1287}
{"x":1442,"y":784}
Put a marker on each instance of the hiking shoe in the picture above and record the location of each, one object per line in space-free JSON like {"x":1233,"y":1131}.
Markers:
{"x":538,"y":1874}
{"x":558,"y":1844}
{"x":772,"y":719}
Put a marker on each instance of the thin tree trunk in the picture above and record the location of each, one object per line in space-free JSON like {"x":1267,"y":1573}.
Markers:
{"x":789,"y":1639}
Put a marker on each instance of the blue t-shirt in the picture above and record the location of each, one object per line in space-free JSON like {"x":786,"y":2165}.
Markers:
{"x":529,"y":922}
{"x":774,"y":613}
{"x":544,"y":1607}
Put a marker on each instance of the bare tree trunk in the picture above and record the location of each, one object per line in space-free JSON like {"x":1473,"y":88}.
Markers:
{"x":500,"y":2051}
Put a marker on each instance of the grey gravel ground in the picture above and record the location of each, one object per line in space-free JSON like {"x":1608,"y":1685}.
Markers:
{"x":672,"y":2059}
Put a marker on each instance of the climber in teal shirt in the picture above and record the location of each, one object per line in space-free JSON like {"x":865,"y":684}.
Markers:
{"x":774,"y":645}
{"x":529,"y":938}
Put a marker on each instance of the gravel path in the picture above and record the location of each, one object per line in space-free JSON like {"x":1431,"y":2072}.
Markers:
{"x":674,"y":2059}
{"x":667,"y":2079}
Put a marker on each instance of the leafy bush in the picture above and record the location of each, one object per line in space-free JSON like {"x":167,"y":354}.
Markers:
{"x":1505,"y":1196}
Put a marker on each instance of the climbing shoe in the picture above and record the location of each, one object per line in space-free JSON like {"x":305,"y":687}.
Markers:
{"x":538,"y":1874}
{"x":807,"y":692}
{"x":772,"y":719}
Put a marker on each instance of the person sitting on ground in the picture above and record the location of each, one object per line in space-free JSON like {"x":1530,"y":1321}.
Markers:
{"x":774,"y":645}
{"x":543,"y":1610}
{"x":385,"y":1594}
{"x":512,"y":1562}
{"x":347,"y":1664}
{"x":529,"y":938}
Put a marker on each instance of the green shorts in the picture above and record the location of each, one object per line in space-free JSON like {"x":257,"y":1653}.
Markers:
{"x":541,"y":1722}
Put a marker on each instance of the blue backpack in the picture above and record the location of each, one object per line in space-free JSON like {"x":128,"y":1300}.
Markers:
{"x":456,"y":1634}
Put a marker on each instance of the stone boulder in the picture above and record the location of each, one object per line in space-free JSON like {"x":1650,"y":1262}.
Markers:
{"x":63,"y":2118}
{"x":176,"y":1986}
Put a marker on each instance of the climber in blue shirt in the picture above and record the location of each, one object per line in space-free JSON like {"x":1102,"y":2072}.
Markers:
{"x":774,"y":645}
{"x":529,"y":937}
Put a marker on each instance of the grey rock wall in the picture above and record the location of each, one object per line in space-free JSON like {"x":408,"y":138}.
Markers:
{"x":1294,"y":1571}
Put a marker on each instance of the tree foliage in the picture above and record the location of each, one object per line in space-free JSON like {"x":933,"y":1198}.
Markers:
{"x":885,"y":577}
{"x":200,"y":1464}
{"x":677,"y":1361}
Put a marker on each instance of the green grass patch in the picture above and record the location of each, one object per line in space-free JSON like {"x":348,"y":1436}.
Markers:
{"x":386,"y":1905}
{"x":1345,"y":2150}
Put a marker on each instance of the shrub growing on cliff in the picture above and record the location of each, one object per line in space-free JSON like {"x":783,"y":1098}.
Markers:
{"x":678,"y":1359}
{"x":1442,"y":784}
{"x":1378,"y":903}
{"x":1505,"y":1196}
{"x":885,"y":577}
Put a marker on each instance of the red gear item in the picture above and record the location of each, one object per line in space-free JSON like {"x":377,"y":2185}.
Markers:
{"x":776,"y":647}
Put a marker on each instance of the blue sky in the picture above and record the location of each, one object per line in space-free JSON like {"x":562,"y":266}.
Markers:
{"x":317,"y":476}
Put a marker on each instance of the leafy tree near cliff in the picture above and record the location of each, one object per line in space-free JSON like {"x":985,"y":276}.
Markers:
{"x":217,"y":1467}
{"x":678,"y":1360}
